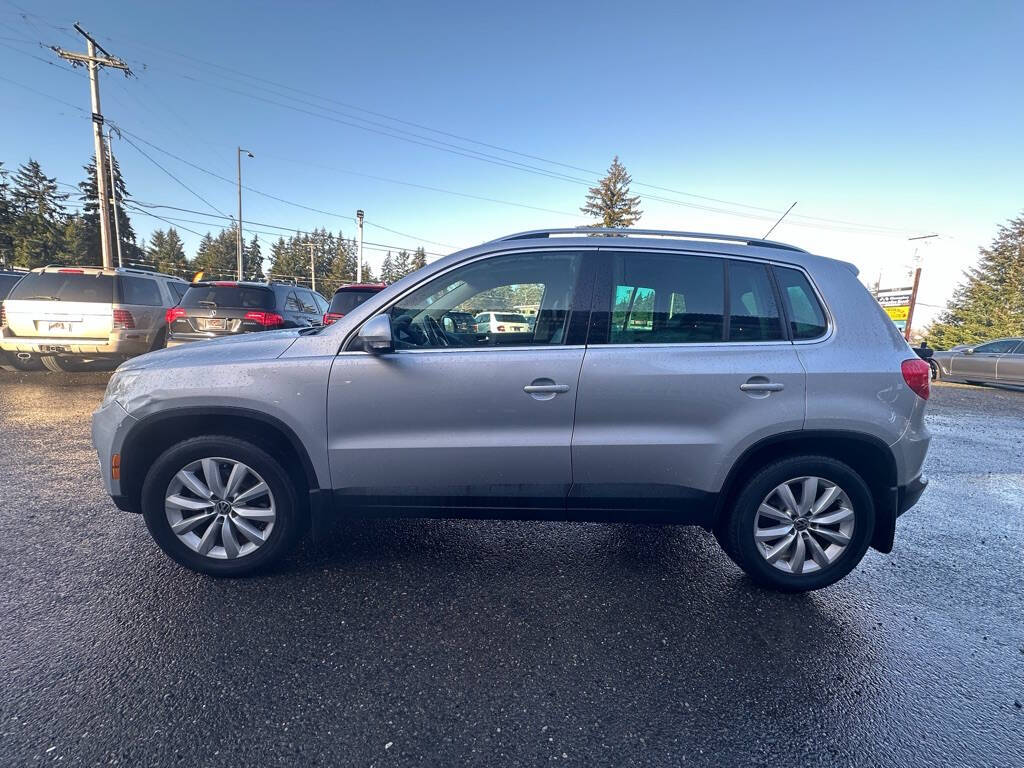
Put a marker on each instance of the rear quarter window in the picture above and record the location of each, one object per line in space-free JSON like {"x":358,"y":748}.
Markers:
{"x":806,"y":315}
{"x":138,"y":290}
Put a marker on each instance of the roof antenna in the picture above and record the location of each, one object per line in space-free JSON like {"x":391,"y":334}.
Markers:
{"x":765,"y":236}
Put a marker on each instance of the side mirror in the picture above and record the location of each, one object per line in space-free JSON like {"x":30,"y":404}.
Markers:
{"x":375,"y":335}
{"x":969,"y":351}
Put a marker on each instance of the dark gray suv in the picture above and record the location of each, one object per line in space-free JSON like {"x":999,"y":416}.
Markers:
{"x":742,"y":385}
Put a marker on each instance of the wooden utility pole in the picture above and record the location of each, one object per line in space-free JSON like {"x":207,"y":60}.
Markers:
{"x":913,"y":301}
{"x":93,"y":62}
{"x":312,"y":263}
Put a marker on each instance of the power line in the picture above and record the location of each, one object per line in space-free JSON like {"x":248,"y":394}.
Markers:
{"x":182,"y":183}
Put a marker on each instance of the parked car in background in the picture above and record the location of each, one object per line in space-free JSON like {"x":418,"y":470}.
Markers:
{"x":459,"y":322}
{"x":73,"y":315}
{"x":14,"y":361}
{"x":211,"y":310}
{"x":994,"y":362}
{"x":756,"y":390}
{"x":501,"y":322}
{"x":348,"y":297}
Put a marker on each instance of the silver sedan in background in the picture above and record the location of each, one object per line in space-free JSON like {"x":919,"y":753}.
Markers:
{"x":995,"y":362}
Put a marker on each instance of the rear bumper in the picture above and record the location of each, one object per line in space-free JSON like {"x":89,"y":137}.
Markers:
{"x":909,"y":494}
{"x":126,"y":345}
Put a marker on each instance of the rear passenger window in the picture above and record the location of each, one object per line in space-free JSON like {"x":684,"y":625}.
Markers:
{"x":292,"y":303}
{"x":753,"y":312}
{"x":806,"y":317}
{"x":666,"y":299}
{"x":138,"y":290}
{"x":178,"y":289}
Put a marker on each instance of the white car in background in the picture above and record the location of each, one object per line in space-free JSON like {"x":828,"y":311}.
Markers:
{"x":501,"y":322}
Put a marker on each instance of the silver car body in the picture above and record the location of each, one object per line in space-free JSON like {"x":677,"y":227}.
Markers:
{"x":87,"y":328}
{"x":994,"y":362}
{"x":644,"y":431}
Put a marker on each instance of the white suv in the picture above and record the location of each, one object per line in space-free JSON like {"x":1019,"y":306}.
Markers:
{"x":72,"y":314}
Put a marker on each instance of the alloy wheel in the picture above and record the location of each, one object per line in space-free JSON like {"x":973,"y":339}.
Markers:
{"x":804,"y":525}
{"x":220,"y":508}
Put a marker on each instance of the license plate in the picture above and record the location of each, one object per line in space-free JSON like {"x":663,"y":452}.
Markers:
{"x":216,"y":324}
{"x":58,"y":327}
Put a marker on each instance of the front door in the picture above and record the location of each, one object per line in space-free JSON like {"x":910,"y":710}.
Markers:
{"x":980,"y":365}
{"x":476,"y":420}
{"x":688,"y":361}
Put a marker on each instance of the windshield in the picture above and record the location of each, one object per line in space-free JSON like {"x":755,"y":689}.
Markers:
{"x":345,"y":301}
{"x":238,"y":296}
{"x":65,"y":286}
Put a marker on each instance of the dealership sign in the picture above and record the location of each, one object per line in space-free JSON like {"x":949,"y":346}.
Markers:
{"x":896,"y":303}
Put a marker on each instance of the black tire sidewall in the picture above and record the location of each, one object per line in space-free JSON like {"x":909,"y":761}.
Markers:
{"x":743,"y":548}
{"x":288,"y":525}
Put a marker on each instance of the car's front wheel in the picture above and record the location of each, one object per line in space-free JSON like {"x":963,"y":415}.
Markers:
{"x":222,"y":506}
{"x":799,"y":524}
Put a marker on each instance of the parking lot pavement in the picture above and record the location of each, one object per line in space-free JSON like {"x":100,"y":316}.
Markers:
{"x":450,"y":642}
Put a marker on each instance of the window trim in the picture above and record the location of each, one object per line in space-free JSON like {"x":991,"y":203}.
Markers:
{"x":581,"y":305}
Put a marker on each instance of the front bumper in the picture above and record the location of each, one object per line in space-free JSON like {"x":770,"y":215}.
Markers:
{"x":128,"y":344}
{"x":110,"y":425}
{"x":909,"y":494}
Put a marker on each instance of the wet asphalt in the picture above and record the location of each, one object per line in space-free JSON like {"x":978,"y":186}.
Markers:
{"x":483,"y":643}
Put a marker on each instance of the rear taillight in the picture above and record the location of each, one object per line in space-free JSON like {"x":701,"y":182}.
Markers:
{"x":918,"y":375}
{"x":174,"y":313}
{"x":332,"y":317}
{"x":123,"y":320}
{"x":266,"y":319}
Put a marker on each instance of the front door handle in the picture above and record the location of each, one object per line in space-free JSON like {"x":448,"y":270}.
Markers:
{"x":762,"y":386}
{"x":534,"y":389}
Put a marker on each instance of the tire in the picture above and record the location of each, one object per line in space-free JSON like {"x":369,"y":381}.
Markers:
{"x":285,"y":530}
{"x":935,"y":370}
{"x":736,"y":532}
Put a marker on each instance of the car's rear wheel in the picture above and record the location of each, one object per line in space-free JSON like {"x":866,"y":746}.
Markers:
{"x":222,"y":506}
{"x":799,"y":524}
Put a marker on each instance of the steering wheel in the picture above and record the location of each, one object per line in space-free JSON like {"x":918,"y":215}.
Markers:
{"x":405,"y":332}
{"x":434,"y":333}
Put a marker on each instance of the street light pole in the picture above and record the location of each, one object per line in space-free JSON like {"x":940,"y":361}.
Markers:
{"x":359,"y":251}
{"x":238,"y":233}
{"x":913,"y":291}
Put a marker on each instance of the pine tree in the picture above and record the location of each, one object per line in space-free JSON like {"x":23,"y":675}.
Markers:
{"x":989,"y":304}
{"x":74,"y":247}
{"x":252,"y":260}
{"x":6,"y":220}
{"x":610,"y":200}
{"x":39,"y":217}
{"x":388,"y":273}
{"x":402,"y":264}
{"x":167,"y":253}
{"x":91,"y":214}
{"x":419,"y":259}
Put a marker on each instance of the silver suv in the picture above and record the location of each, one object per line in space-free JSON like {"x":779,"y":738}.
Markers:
{"x":71,"y":314}
{"x":742,"y":385}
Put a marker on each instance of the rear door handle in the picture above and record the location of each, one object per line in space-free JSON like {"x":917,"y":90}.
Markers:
{"x":762,"y":386}
{"x":533,"y":389}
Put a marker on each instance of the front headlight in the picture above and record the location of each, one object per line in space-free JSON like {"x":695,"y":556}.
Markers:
{"x":118,"y":388}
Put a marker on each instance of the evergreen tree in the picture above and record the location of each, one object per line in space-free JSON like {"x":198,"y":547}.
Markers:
{"x":91,"y":214}
{"x":402,"y":264}
{"x":252,"y":260}
{"x":6,"y":220}
{"x":167,"y":253}
{"x":388,"y":273}
{"x":74,"y":247}
{"x":610,"y":200}
{"x":289,"y":260}
{"x":419,"y":259}
{"x":39,"y":217}
{"x":990,"y":303}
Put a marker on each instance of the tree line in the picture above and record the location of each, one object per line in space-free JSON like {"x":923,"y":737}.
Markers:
{"x":39,"y":225}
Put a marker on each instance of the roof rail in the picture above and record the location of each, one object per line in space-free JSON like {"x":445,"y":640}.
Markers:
{"x":623,"y":232}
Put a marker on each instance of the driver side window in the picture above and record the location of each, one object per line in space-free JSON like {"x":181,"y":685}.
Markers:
{"x":518,"y":299}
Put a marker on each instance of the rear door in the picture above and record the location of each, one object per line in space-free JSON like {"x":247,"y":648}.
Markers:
{"x":63,"y":303}
{"x":688,"y":362}
{"x":1010,"y":368}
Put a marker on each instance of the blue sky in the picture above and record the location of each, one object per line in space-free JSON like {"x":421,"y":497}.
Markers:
{"x":906,"y":117}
